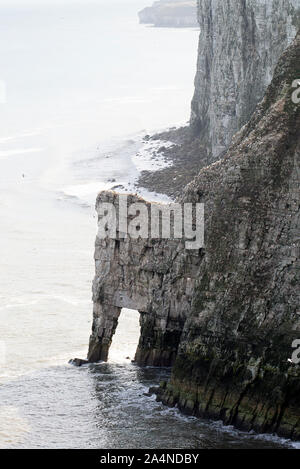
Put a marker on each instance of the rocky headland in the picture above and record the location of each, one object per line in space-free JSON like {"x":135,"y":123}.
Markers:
{"x":171,"y":13}
{"x":224,"y":316}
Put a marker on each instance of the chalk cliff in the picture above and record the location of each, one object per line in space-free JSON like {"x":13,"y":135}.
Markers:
{"x":171,"y":13}
{"x":232,"y":363}
{"x":225,"y":315}
{"x":239,"y":45}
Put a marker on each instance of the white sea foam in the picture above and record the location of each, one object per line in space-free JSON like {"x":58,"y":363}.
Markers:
{"x":86,"y":192}
{"x":124,"y":162}
{"x":295,"y":444}
{"x":149,"y":159}
{"x":13,"y":427}
{"x":19,"y":136}
{"x":18,"y":151}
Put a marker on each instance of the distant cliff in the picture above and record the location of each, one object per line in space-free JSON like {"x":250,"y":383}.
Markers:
{"x":171,"y":13}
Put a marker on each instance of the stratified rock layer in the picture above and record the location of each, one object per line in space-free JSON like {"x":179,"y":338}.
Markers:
{"x":226,"y":314}
{"x":240,"y":43}
{"x":232,"y":362}
{"x":152,"y":276}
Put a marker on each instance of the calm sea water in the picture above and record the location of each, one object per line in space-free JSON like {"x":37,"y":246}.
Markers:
{"x":84,"y":81}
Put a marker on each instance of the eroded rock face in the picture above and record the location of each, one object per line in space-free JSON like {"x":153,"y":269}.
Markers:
{"x":239,"y":46}
{"x":240,"y":43}
{"x":153,"y":276}
{"x":227,"y":314}
{"x":232,"y":362}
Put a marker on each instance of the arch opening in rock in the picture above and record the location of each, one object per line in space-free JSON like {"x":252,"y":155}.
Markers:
{"x":136,"y":274}
{"x":125,"y":337}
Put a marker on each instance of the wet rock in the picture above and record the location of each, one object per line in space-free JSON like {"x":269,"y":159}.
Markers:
{"x":119,"y":187}
{"x":78,"y":362}
{"x":161,"y":149}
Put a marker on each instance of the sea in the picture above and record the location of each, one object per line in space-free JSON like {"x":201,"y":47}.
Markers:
{"x":81,"y":84}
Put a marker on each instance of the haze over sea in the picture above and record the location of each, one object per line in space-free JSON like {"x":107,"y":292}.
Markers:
{"x":84,"y":83}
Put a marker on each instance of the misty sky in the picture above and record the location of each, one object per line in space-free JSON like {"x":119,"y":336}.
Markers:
{"x":63,"y":2}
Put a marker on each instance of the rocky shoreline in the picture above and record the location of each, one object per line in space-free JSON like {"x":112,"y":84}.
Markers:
{"x":172,"y":179}
{"x":233,"y":71}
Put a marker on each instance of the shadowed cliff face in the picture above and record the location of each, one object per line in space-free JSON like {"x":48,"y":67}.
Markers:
{"x":239,"y":46}
{"x":227,"y":314}
{"x":232,"y":362}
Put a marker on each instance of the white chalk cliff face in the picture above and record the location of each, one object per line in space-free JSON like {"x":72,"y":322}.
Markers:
{"x":239,"y":46}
